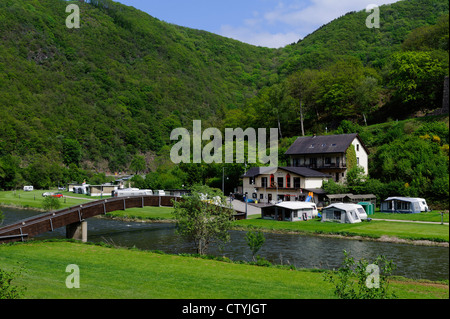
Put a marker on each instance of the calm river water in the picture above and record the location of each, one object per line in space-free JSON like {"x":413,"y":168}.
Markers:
{"x":418,"y":262}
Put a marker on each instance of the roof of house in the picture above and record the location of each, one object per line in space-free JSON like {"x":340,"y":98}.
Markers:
{"x":296,"y":205}
{"x":302,"y":171}
{"x":323,"y":144}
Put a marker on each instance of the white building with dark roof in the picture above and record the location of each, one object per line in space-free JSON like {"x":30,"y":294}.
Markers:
{"x":328,"y":154}
{"x":271,"y":184}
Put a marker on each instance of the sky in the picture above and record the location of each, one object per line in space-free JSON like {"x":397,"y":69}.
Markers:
{"x":268,"y":23}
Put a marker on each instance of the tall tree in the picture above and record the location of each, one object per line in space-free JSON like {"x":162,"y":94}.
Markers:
{"x":416,"y":78}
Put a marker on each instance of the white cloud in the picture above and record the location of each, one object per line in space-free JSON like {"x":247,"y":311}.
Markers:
{"x":259,"y":37}
{"x":290,"y":21}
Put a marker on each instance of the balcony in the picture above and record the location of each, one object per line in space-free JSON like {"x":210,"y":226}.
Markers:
{"x":323,"y":166}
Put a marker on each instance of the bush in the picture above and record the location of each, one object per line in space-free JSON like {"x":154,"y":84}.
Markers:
{"x":361,"y":280}
{"x":51,"y":203}
{"x":7,"y":289}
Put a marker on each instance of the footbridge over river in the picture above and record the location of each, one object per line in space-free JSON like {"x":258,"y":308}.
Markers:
{"x":74,"y":218}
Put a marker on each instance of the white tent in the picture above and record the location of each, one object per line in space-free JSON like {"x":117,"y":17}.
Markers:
{"x":343,"y":213}
{"x":290,"y":211}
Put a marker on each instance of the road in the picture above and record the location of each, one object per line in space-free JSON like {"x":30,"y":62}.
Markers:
{"x":240,"y":206}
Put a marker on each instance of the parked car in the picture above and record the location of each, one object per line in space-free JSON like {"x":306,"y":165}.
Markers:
{"x":46,"y":194}
{"x":57,"y":195}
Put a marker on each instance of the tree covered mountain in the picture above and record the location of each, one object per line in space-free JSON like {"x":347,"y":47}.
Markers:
{"x":117,"y":85}
{"x":109,"y":93}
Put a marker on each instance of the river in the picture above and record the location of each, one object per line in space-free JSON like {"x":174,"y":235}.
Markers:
{"x":417,"y":262}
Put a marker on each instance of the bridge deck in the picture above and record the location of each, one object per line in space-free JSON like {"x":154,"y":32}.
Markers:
{"x":46,"y":222}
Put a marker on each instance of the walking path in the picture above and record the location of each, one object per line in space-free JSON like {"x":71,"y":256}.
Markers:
{"x":240,"y":206}
{"x":408,"y":221}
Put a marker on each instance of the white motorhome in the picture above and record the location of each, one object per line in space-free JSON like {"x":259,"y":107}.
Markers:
{"x":28,"y":188}
{"x":407,"y":205}
{"x":131,"y":192}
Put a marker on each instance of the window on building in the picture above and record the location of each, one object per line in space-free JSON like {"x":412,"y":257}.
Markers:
{"x":280,"y":181}
{"x":264,"y":182}
{"x":296,"y":182}
{"x":288,"y":181}
{"x":357,"y":147}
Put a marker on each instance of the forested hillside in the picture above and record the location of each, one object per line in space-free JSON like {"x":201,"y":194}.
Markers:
{"x":78,"y":103}
{"x":116,"y":86}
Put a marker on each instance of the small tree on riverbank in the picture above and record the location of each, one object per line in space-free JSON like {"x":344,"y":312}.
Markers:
{"x":204,"y":217}
{"x":255,"y":240}
{"x":361,"y":280}
{"x":51,"y":203}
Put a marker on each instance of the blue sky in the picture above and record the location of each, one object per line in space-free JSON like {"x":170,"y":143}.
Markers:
{"x":270,"y":23}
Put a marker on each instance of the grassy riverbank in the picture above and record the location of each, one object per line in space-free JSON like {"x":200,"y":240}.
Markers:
{"x":122,"y":273}
{"x":387,"y":230}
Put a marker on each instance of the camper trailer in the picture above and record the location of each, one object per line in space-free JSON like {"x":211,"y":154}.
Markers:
{"x":407,"y":205}
{"x":344,"y":213}
{"x":290,"y":211}
{"x":131,"y":192}
{"x":28,"y":188}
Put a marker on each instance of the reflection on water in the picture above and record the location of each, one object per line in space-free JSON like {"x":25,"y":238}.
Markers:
{"x":301,"y":251}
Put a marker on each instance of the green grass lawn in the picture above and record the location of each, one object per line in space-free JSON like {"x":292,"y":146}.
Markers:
{"x":145,"y":213}
{"x":34,"y":199}
{"x":433,"y":216}
{"x":120,"y":273}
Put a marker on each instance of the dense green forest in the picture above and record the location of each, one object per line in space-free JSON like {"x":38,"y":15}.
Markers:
{"x":83,"y":103}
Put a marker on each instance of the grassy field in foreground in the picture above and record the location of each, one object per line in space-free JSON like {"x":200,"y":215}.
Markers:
{"x":120,"y":273}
